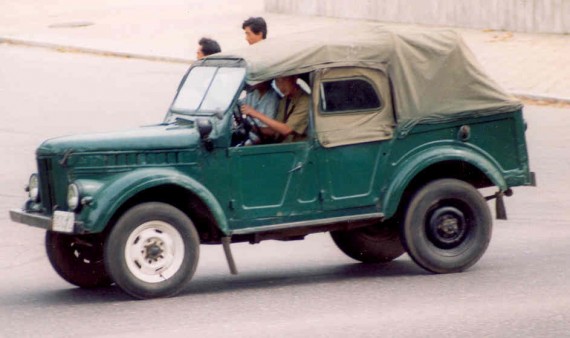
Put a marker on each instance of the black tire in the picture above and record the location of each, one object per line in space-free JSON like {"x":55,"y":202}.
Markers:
{"x":152,"y":251}
{"x":78,"y":258}
{"x":377,"y":243}
{"x":447,"y":226}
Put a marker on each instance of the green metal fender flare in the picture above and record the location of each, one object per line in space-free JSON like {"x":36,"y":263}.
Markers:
{"x":417,"y":161}
{"x":109,"y":198}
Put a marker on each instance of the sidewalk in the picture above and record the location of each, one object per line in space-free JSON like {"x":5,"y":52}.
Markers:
{"x":527,"y":65}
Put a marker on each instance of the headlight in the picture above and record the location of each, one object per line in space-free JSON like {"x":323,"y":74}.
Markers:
{"x":34,"y":188}
{"x":72,"y":196}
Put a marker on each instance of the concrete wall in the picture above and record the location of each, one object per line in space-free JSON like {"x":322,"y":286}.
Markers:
{"x":533,"y":16}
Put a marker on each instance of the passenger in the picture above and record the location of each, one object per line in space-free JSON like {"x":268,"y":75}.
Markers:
{"x":255,"y":29}
{"x":292,"y":118}
{"x":263,"y":98}
{"x":207,"y":46}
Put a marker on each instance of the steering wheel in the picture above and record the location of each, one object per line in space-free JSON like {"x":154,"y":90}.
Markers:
{"x":247,"y":128}
{"x":239,"y":134}
{"x":253,"y":126}
{"x":238,"y":118}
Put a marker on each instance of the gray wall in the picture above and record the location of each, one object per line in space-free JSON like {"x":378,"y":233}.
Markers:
{"x":535,"y":16}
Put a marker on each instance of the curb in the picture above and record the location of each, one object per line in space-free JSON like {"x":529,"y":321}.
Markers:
{"x":549,"y":99}
{"x":72,"y":49}
{"x":61,"y":48}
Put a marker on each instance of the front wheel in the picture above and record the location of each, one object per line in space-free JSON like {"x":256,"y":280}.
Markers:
{"x":447,"y":226}
{"x":77,"y":258}
{"x":152,"y":251}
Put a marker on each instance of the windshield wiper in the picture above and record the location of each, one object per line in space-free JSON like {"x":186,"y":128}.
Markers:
{"x":177,"y":120}
{"x":183,"y":121}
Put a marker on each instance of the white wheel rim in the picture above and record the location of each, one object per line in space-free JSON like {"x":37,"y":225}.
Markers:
{"x":154,"y":252}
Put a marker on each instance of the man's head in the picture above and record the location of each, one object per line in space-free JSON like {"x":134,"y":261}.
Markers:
{"x":287,"y":85}
{"x":207,"y":47}
{"x":255,"y":29}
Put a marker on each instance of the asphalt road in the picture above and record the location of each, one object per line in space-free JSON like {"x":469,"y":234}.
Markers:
{"x":289,"y":289}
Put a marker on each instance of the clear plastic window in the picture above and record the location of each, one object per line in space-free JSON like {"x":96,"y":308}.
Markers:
{"x":348,"y":95}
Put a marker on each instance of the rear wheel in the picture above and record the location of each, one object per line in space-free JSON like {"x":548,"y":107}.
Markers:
{"x":77,"y":258}
{"x":372,"y":244}
{"x":447,"y":226}
{"x":152,"y":251}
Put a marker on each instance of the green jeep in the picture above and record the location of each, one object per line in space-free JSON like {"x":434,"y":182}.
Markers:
{"x":404,"y":128}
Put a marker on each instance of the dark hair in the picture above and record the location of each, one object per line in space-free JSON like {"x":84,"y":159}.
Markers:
{"x":209,"y":46}
{"x":257,"y":25}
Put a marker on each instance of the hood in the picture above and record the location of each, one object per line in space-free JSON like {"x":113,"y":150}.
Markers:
{"x":143,"y":138}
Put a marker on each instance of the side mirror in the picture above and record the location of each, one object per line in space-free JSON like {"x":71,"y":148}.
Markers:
{"x":204,"y":127}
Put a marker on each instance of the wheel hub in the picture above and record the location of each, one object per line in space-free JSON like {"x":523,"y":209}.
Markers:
{"x":446,"y":227}
{"x":153,"y":249}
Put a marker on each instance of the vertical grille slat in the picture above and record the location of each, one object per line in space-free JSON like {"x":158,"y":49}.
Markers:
{"x":46,"y":184}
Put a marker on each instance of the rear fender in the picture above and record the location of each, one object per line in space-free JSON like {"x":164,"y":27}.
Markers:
{"x":407,"y":168}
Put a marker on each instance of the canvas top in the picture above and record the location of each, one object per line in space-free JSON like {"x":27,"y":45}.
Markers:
{"x":433,"y":74}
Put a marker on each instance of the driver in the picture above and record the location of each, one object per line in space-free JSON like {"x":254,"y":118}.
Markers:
{"x":292,"y":118}
{"x":264,"y":99}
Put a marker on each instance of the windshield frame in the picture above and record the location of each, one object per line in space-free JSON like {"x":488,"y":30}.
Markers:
{"x":221,"y":72}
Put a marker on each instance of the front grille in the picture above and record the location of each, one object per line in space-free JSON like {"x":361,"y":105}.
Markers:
{"x":47,"y":193}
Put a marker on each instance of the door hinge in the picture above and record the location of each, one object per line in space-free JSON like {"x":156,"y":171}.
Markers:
{"x":322,"y":195}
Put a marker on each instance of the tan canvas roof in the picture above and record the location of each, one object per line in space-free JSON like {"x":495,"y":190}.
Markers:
{"x":434,"y":75}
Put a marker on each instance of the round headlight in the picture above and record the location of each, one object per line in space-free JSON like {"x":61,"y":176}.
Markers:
{"x":34,"y":188}
{"x":72,"y":196}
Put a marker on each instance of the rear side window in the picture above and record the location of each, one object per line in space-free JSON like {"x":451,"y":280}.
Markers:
{"x":348,"y":95}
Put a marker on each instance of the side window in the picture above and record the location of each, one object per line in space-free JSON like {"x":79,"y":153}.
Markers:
{"x":348,"y":95}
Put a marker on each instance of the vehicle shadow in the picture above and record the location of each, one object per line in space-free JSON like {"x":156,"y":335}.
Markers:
{"x":294,"y":277}
{"x":207,"y":285}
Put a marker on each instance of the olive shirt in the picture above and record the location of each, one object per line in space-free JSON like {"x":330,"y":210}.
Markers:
{"x":297,"y":115}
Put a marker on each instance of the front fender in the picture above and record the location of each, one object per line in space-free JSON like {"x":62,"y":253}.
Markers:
{"x":109,"y":198}
{"x":420,"y":159}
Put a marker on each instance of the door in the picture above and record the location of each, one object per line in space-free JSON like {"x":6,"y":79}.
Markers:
{"x":273,"y":183}
{"x":353,"y":121}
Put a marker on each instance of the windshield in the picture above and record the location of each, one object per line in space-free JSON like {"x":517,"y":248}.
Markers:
{"x":208,"y":90}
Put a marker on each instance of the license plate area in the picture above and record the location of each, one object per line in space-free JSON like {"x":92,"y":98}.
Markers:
{"x":63,"y":221}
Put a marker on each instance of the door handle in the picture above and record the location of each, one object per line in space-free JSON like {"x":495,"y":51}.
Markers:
{"x":299,"y":166}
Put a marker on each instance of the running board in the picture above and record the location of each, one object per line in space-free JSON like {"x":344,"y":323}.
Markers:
{"x":322,"y":221}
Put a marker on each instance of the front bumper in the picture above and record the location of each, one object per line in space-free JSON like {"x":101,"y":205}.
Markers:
{"x":32,"y":219}
{"x":42,"y":221}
